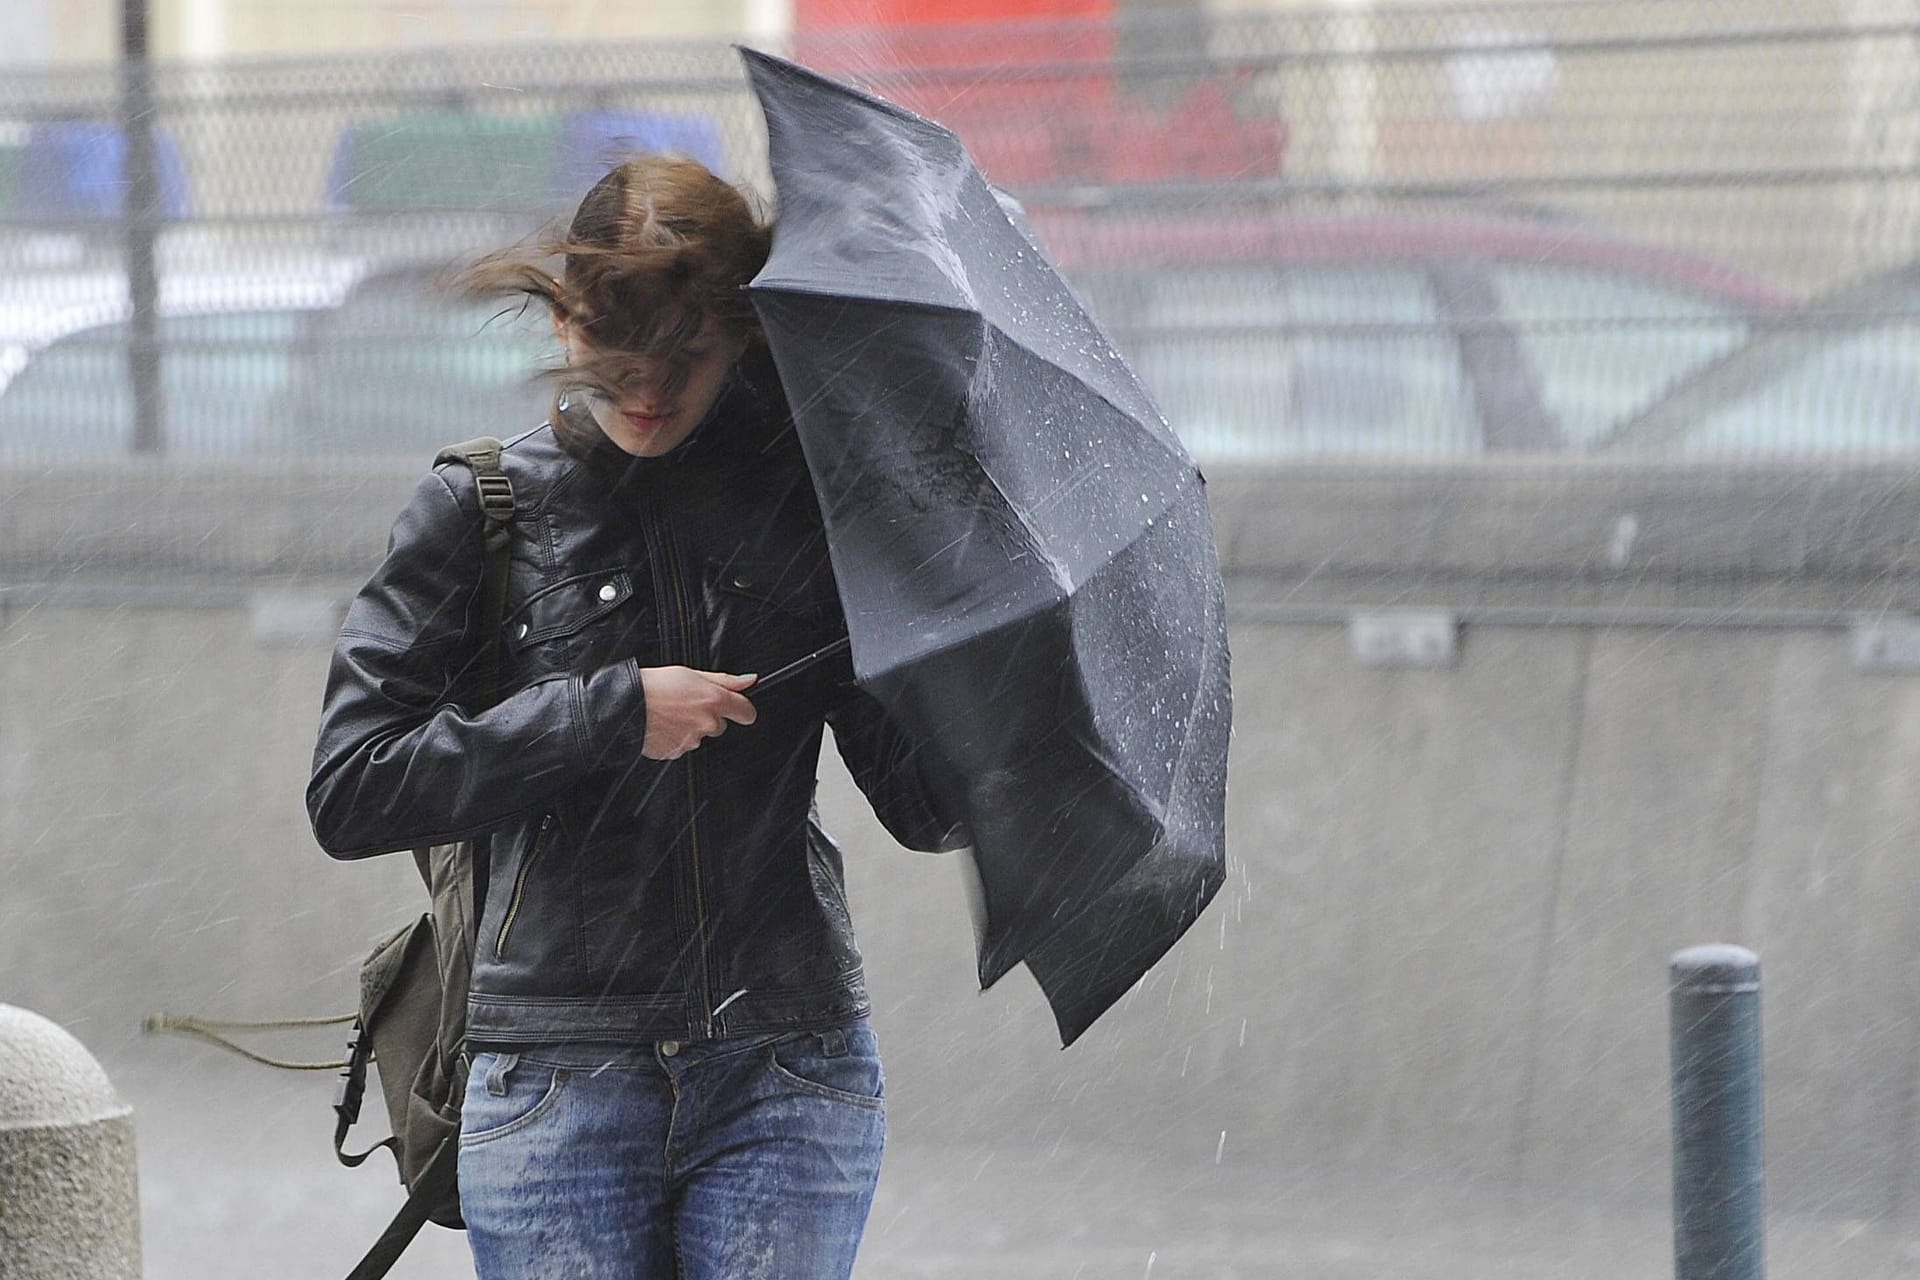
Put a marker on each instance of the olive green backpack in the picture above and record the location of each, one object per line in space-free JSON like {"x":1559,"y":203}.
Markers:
{"x":412,"y":1021}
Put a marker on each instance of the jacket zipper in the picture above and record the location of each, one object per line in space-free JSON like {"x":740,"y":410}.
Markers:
{"x":520,"y":884}
{"x":691,"y":657}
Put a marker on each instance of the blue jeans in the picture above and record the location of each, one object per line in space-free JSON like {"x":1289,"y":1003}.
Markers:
{"x":741,"y":1158}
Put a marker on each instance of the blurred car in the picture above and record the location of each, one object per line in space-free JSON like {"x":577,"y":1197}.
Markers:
{"x":1261,"y":337}
{"x":228,"y":339}
{"x":74,"y":399}
{"x":1268,"y":337}
{"x":1840,"y":376}
{"x":401,"y":368}
{"x":354,"y":364}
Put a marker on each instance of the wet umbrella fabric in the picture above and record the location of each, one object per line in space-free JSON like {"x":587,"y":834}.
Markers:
{"x":1022,"y":545}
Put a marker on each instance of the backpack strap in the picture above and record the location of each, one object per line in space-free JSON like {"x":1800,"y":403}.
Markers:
{"x":436,"y":1182}
{"x":433,"y":1184}
{"x":348,"y":1095}
{"x":482,"y":457}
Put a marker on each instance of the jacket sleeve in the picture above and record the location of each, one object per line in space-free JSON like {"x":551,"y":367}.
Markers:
{"x":907,"y":784}
{"x":408,"y":754}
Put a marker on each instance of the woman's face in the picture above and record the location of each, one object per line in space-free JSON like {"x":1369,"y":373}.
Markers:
{"x":661,"y":401}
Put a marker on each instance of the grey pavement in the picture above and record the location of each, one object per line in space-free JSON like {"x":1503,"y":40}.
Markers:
{"x":238,"y":1181}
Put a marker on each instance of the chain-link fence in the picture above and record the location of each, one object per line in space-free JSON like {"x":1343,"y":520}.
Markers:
{"x":1621,"y":226}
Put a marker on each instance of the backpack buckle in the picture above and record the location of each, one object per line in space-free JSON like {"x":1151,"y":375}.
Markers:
{"x":496,"y":496}
{"x":353,"y":1081}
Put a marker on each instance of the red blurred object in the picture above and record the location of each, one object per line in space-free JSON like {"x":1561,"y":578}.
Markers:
{"x":1032,"y":90}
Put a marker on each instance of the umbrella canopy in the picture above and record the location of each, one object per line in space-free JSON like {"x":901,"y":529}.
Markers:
{"x":1022,"y":546}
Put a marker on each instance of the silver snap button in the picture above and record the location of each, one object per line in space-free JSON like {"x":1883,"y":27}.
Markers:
{"x":743,"y":583}
{"x":609,"y":591}
{"x":669,"y":1047}
{"x":520,"y":632}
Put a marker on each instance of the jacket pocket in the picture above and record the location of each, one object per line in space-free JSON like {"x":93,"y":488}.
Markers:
{"x":566,"y":607}
{"x":801,"y":594}
{"x":763,"y":615}
{"x":541,"y":839}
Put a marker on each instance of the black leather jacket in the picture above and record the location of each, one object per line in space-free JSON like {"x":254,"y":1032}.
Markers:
{"x":627,"y":899}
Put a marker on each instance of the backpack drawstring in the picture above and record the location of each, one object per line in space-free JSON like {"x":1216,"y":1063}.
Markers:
{"x":209,"y":1029}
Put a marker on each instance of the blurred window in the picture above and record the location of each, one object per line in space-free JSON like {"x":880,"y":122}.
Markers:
{"x":219,"y":373}
{"x":1270,"y":362}
{"x":399,"y":368}
{"x":1856,"y":391}
{"x":1604,"y":346}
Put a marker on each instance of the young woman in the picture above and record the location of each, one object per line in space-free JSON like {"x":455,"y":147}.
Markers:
{"x":673,"y":1073}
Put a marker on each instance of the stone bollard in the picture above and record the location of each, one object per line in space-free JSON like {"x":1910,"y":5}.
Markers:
{"x":69,"y":1198}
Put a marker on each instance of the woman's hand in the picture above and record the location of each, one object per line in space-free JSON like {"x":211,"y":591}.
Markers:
{"x":686,"y":707}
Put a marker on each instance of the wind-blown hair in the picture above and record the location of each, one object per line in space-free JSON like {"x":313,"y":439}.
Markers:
{"x":659,"y":245}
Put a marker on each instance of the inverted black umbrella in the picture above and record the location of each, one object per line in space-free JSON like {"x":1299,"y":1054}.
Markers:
{"x":1022,"y":546}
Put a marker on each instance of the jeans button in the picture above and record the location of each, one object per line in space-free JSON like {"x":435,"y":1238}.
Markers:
{"x":669,"y":1047}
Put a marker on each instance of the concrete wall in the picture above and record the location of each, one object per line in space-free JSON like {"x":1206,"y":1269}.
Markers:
{"x":1442,"y":951}
{"x":1440,"y":954}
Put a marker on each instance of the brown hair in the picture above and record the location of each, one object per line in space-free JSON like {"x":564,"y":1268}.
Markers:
{"x":659,"y":245}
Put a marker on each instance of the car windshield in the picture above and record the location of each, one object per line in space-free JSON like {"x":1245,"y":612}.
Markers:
{"x":219,"y":373}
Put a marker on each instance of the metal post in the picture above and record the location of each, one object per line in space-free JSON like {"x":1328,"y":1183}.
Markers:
{"x":1718,"y":1164}
{"x":140,"y":222}
{"x":1355,"y":97}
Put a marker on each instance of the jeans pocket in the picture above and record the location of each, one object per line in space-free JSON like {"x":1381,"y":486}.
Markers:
{"x":842,"y":1066}
{"x":505,"y":1094}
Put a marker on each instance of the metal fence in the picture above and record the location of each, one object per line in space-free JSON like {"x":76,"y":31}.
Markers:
{"x":1629,"y":226}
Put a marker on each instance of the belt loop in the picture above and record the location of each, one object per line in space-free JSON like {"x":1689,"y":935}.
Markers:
{"x":833,"y":1043}
{"x":497,"y":1074}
